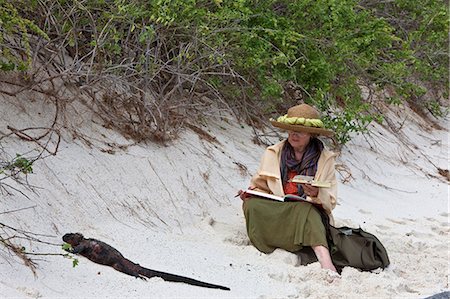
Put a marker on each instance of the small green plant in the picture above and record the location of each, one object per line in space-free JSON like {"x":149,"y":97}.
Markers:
{"x":74,"y":262}
{"x":18,"y":165}
{"x":346,"y":123}
{"x":23,"y":164}
{"x":12,"y":23}
{"x":435,"y":108}
{"x":394,"y":100}
{"x":67,"y":247}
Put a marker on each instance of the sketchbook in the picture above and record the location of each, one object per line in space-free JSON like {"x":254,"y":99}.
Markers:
{"x":305,"y":179}
{"x":288,"y":197}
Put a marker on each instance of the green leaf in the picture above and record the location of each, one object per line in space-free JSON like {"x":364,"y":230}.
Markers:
{"x":74,"y":263}
{"x":67,"y":247}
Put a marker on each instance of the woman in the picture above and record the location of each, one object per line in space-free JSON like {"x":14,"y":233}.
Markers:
{"x":293,"y":225}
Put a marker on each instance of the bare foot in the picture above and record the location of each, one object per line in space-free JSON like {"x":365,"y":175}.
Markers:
{"x":323,"y":255}
{"x":328,"y":265}
{"x":332,"y":276}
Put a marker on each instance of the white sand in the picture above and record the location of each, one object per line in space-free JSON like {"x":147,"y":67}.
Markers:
{"x":172,"y":209}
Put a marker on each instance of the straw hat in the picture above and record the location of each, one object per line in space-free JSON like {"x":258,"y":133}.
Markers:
{"x":302,"y":118}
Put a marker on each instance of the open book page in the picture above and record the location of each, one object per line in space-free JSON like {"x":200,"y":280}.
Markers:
{"x":265,"y":195}
{"x":305,"y":179}
{"x":292,"y":197}
{"x":288,"y":197}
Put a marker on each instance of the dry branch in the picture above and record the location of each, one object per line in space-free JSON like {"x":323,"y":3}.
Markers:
{"x":9,"y":238}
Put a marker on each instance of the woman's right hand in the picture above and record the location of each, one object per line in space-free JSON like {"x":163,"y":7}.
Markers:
{"x":244,"y":195}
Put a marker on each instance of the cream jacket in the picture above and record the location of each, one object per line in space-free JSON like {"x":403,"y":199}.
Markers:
{"x":268,"y":177}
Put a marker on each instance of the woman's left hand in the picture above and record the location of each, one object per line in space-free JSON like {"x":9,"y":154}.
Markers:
{"x":310,"y":191}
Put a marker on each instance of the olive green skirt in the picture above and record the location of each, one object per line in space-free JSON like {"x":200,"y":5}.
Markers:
{"x":287,"y":225}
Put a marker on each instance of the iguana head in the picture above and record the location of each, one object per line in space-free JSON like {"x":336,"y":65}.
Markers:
{"x":73,"y":239}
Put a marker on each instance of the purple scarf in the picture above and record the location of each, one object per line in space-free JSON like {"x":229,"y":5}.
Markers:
{"x":306,"y":166}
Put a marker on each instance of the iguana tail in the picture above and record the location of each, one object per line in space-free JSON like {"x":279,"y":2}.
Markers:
{"x":176,"y":278}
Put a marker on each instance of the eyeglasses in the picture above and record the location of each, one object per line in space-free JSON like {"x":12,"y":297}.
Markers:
{"x":299,"y":134}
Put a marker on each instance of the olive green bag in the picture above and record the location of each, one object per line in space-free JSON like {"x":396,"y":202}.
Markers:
{"x":352,"y":247}
{"x":356,"y":248}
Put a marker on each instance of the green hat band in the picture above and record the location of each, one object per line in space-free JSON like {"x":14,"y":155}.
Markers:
{"x":307,"y":122}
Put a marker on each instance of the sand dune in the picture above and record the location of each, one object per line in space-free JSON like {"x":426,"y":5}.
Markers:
{"x":171,"y":208}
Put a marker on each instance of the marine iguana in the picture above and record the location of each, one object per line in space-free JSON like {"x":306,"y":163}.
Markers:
{"x":104,"y":254}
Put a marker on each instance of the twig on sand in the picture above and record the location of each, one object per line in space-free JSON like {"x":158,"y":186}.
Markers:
{"x":347,"y":177}
{"x":18,"y":251}
{"x":21,"y":209}
{"x":22,"y":135}
{"x":383,"y":185}
{"x":8,"y":236}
